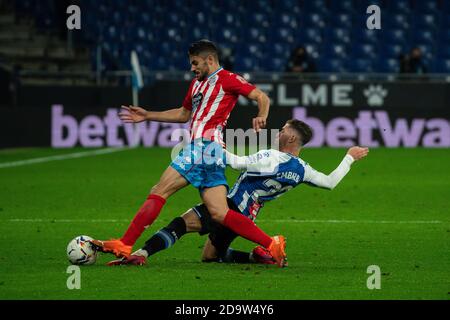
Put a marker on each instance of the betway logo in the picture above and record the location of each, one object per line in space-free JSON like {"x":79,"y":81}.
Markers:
{"x":375,"y":128}
{"x":95,"y":131}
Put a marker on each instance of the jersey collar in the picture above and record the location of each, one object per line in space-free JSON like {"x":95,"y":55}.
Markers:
{"x":215,"y":72}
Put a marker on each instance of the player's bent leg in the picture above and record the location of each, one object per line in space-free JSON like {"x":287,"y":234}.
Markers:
{"x":209,"y":253}
{"x":170,"y":182}
{"x":215,"y":200}
{"x":163,"y":239}
{"x":192,"y":221}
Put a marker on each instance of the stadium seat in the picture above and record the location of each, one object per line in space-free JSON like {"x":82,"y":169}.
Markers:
{"x":364,"y":50}
{"x":331,"y":65}
{"x":444,"y":51}
{"x":426,"y":6}
{"x":399,"y":6}
{"x":360,"y":65}
{"x":329,"y":30}
{"x":335,"y":51}
{"x":338,"y":36}
{"x":425,"y":36}
{"x":397,"y":36}
{"x":445,"y":66}
{"x":366,"y":35}
{"x":342,"y":20}
{"x":392,"y":50}
{"x":311,"y":35}
{"x":342,"y":6}
{"x":398,"y":21}
{"x":388,"y":65}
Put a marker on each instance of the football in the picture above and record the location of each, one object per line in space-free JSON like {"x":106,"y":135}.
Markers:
{"x":81,"y":251}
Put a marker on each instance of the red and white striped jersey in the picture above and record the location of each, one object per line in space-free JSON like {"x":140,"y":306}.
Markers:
{"x":211,"y":102}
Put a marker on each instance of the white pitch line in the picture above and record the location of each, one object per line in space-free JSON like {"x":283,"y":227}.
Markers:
{"x":60,"y":157}
{"x":264,"y":220}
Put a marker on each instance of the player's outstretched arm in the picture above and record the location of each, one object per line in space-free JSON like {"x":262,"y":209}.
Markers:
{"x":258,"y":161}
{"x":259,"y":122}
{"x":132,"y":114}
{"x":318,"y":179}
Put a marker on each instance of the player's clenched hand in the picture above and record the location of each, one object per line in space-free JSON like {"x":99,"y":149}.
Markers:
{"x":132,"y":114}
{"x":259,"y":123}
{"x":358,"y":153}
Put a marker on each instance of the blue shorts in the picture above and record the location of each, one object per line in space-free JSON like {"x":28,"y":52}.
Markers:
{"x":202,"y":163}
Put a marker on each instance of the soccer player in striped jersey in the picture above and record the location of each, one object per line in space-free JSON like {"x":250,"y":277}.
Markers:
{"x":211,"y":97}
{"x":266,"y":176}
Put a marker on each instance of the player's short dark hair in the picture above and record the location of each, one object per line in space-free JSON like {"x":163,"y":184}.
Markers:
{"x":302,"y":129}
{"x":202,"y":47}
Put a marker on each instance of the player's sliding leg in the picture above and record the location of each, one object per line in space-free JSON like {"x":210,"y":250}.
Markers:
{"x":223,"y":253}
{"x":163,"y":239}
{"x":170,"y":182}
{"x":215,"y":200}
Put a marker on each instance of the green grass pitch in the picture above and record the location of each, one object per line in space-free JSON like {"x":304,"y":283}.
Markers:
{"x":392,"y":210}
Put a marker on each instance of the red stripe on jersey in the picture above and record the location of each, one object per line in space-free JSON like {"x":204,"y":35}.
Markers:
{"x":207,"y":127}
{"x":203,"y":118}
{"x":203,"y":88}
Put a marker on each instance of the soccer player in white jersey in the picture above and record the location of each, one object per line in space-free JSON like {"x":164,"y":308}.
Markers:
{"x":266,"y":175}
{"x":211,"y":97}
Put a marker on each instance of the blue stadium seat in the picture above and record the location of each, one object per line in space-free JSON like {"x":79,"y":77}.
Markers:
{"x":427,"y":21}
{"x":361,"y":5}
{"x":287,"y":6}
{"x":427,"y":50}
{"x":335,"y":51}
{"x":444,"y":67}
{"x":360,"y":65}
{"x":275,"y":64}
{"x":243,"y":63}
{"x":444,"y":51}
{"x":366,"y":35}
{"x":446,"y":7}
{"x":398,"y":21}
{"x":338,"y":36}
{"x":331,"y":65}
{"x":426,"y":6}
{"x":342,"y":6}
{"x":258,"y":20}
{"x":392,"y":50}
{"x":364,"y":51}
{"x":399,"y":6}
{"x":398,"y":36}
{"x":312,"y":20}
{"x":342,"y":20}
{"x":311,"y":35}
{"x":278,"y":49}
{"x":333,"y":31}
{"x":281,"y":34}
{"x":285,"y":20}
{"x":388,"y":65}
{"x":425,"y":36}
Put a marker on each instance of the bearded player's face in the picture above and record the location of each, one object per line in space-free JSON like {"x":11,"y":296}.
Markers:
{"x":199,"y":67}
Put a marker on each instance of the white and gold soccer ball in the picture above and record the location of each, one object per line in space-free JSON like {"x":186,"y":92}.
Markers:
{"x":81,"y":251}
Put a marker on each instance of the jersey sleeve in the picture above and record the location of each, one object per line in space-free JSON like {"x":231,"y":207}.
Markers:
{"x":187,"y":102}
{"x":318,"y":179}
{"x":262,"y":163}
{"x":237,"y":85}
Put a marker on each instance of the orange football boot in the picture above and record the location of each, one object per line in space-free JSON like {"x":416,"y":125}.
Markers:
{"x":114,"y":246}
{"x":276,"y":249}
{"x":134,"y":260}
